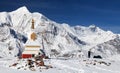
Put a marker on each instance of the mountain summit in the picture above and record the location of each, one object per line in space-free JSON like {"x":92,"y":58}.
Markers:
{"x":22,"y":9}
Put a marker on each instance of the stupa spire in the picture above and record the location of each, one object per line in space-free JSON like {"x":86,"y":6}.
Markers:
{"x":32,"y":27}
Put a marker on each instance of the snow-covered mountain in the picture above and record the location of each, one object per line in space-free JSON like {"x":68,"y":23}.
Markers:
{"x":60,"y":40}
{"x":109,"y":48}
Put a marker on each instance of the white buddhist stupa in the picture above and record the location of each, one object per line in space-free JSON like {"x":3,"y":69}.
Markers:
{"x":32,"y":46}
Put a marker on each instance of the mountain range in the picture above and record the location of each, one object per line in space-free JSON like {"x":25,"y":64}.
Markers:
{"x":60,"y":40}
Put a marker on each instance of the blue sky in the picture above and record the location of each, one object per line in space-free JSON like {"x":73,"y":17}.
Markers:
{"x":103,"y":13}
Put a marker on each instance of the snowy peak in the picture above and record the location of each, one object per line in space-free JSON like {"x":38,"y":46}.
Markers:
{"x":93,"y":35}
{"x":85,"y":30}
{"x":93,"y":28}
{"x":22,"y":10}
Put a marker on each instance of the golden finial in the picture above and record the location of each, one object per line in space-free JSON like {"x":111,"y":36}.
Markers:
{"x":32,"y":24}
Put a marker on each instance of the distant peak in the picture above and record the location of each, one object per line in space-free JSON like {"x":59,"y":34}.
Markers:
{"x":92,"y":26}
{"x":23,"y":9}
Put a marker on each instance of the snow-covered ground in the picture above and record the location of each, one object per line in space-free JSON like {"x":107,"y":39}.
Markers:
{"x":61,"y":65}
